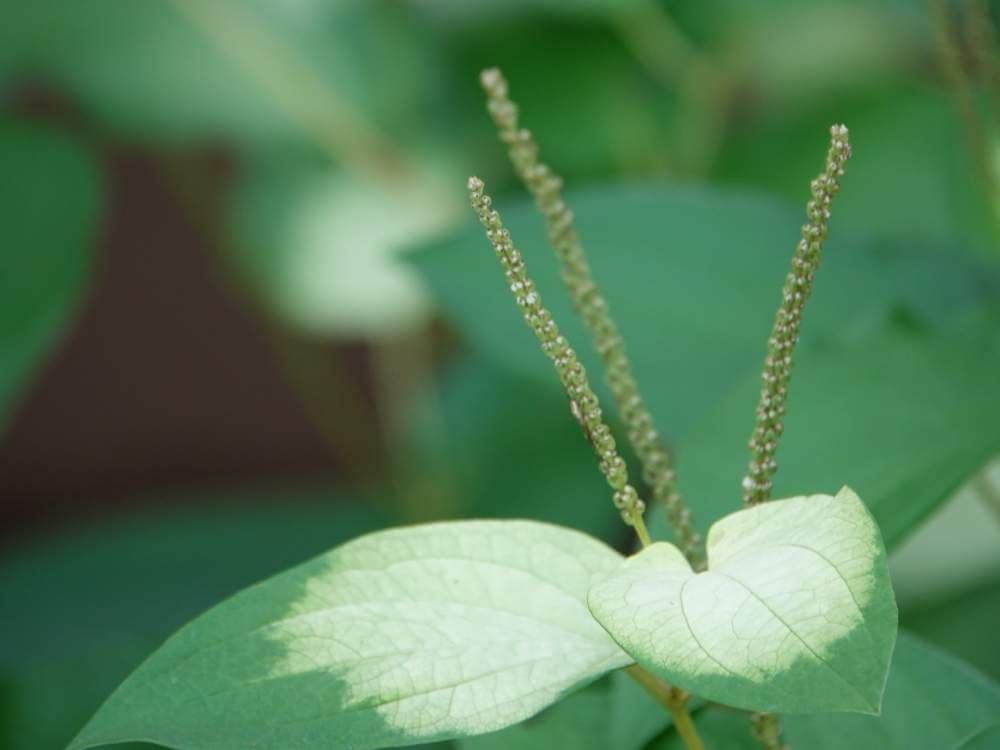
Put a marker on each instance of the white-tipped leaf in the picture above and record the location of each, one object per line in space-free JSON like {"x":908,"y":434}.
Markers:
{"x":795,"y":613}
{"x":400,"y":637}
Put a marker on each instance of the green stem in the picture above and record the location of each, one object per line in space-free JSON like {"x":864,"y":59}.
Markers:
{"x":960,"y":86}
{"x":672,"y":699}
{"x":704,"y":85}
{"x":641,"y":531}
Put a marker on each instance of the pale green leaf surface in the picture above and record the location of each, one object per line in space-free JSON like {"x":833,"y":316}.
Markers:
{"x":323,"y":248}
{"x":932,"y":701}
{"x":794,"y":614}
{"x":50,"y":203}
{"x":399,"y":637}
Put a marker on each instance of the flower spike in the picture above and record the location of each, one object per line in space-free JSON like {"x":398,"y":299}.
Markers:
{"x":583,"y":401}
{"x":767,"y":430}
{"x":546,"y":188}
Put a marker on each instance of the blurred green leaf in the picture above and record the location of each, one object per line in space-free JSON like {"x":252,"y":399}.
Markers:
{"x":965,"y":624}
{"x":902,"y":417}
{"x":912,"y":174}
{"x":471,"y":450}
{"x":987,"y":739}
{"x":608,"y":117}
{"x":156,"y":72}
{"x":323,"y":247}
{"x":83,"y":609}
{"x":50,"y":204}
{"x":490,"y":11}
{"x":931,"y":701}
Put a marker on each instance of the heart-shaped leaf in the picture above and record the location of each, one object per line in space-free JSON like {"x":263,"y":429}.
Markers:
{"x":795,"y":613}
{"x":400,"y":637}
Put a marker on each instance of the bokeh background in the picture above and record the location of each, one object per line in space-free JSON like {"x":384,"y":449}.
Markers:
{"x":246,"y":314}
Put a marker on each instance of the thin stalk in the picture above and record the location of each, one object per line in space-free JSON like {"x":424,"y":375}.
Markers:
{"x":584,"y":404}
{"x":768,"y":427}
{"x":983,"y":42}
{"x":335,"y":126}
{"x":674,"y":700}
{"x":704,"y":85}
{"x":546,"y":188}
{"x":960,"y":86}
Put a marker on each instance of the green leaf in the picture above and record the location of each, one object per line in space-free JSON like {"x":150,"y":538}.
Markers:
{"x":50,"y":202}
{"x":400,"y":637}
{"x":932,"y":700}
{"x":694,"y":294}
{"x":125,"y":585}
{"x":795,"y":613}
{"x":902,"y":416}
{"x":912,"y":173}
{"x":965,"y":624}
{"x":579,"y":722}
{"x":323,"y":247}
{"x":987,"y":739}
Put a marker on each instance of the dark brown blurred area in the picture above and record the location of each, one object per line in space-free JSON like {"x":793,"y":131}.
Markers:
{"x":166,"y":379}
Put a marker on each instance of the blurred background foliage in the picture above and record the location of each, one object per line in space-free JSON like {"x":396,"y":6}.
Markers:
{"x":245,"y":313}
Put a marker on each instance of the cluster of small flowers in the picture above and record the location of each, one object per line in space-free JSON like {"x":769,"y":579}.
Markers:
{"x":780,"y":346}
{"x":589,"y":303}
{"x":572,"y":375}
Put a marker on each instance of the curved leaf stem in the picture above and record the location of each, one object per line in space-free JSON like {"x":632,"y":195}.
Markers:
{"x":674,"y":700}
